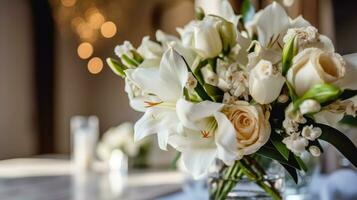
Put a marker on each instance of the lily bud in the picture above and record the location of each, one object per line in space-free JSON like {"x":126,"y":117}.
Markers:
{"x":228,"y":34}
{"x":207,"y":41}
{"x":265,"y":83}
{"x":128,"y":55}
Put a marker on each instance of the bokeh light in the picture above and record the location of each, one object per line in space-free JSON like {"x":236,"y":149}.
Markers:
{"x":95,"y":65}
{"x":85,"y":50}
{"x":108,"y":29}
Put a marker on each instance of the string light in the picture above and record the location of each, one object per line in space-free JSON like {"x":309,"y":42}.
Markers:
{"x":95,"y":65}
{"x":85,"y":50}
{"x":108,"y":29}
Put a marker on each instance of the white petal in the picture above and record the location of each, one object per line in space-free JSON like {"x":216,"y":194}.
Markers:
{"x":188,"y":54}
{"x":149,"y":80}
{"x":328,"y":118}
{"x":349,"y":80}
{"x":225,"y":137}
{"x":156,"y":120}
{"x":189,"y":113}
{"x":173,"y":71}
{"x":273,"y":21}
{"x":226,"y":11}
{"x":299,"y":22}
{"x":198,"y":161}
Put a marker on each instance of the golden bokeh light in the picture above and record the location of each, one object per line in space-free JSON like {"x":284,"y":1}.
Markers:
{"x":85,"y":50}
{"x":108,"y":29}
{"x":96,"y":20}
{"x":95,"y":65}
{"x":68,"y":3}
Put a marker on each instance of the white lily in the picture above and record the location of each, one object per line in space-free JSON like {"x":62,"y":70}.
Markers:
{"x":221,"y":8}
{"x":206,"y":134}
{"x":167,"y":84}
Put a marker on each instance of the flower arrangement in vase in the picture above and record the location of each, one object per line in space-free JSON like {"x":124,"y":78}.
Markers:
{"x":239,"y":87}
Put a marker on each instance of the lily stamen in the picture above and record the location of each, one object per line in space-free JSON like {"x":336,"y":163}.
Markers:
{"x":152,"y":104}
{"x":205,"y":134}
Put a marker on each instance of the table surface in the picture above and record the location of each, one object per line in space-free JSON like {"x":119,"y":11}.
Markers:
{"x":54,"y":179}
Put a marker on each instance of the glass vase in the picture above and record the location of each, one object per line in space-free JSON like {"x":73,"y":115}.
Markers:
{"x":263,"y":180}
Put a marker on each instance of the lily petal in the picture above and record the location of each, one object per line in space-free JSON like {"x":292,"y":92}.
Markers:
{"x":198,"y":161}
{"x":173,"y":71}
{"x":225,"y":139}
{"x":349,"y":80}
{"x":272,"y":22}
{"x":189,"y":113}
{"x":156,"y":120}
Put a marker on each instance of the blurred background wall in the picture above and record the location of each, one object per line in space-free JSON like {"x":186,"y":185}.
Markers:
{"x":34,"y":119}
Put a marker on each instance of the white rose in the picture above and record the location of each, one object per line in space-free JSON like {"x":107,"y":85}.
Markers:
{"x":252,"y":127}
{"x":309,"y":106}
{"x":265,"y":83}
{"x":311,"y":133}
{"x":296,"y":143}
{"x":313,"y":66}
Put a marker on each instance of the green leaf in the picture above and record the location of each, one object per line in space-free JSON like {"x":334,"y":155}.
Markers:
{"x":199,"y":88}
{"x":137,"y":57}
{"x":301,"y":163}
{"x":340,"y":141}
{"x":321,"y":93}
{"x":117,"y":67}
{"x":347,"y":93}
{"x":292,"y":92}
{"x":349,"y":120}
{"x":199,"y":13}
{"x":290,"y":49}
{"x":174,"y":161}
{"x":274,"y":154}
{"x":247,"y":11}
{"x":214,"y":92}
{"x":129,"y":61}
{"x":279,"y":145}
{"x":292,"y":172}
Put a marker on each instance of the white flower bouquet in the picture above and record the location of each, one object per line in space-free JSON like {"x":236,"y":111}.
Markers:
{"x":234,"y":87}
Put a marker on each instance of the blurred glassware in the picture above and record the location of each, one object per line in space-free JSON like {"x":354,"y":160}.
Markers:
{"x":84,"y":136}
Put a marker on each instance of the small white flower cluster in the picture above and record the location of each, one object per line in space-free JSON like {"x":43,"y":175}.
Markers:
{"x":232,"y":80}
{"x":297,"y":142}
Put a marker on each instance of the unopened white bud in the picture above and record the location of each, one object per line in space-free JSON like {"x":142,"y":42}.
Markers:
{"x":283,"y":98}
{"x":309,"y":106}
{"x":209,"y":76}
{"x":315,"y":151}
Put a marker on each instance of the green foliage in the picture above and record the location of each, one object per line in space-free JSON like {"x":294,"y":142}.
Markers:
{"x":117,"y":67}
{"x":321,"y":93}
{"x":247,"y":11}
{"x":199,"y":13}
{"x":290,"y":49}
{"x":339,"y":140}
{"x":347,"y":93}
